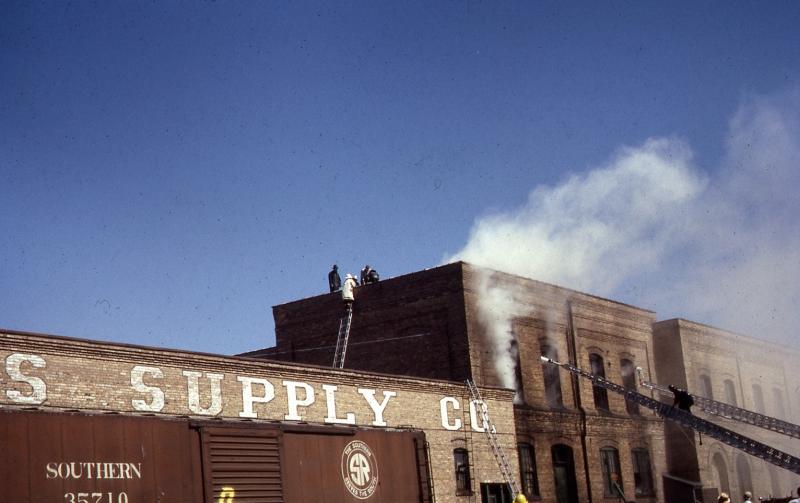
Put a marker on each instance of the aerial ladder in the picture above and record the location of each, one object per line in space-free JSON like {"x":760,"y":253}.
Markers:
{"x":684,"y":417}
{"x":730,"y":411}
{"x":491,"y":437}
{"x":344,"y":334}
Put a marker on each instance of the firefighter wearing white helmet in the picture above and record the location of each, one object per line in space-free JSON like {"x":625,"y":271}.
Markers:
{"x":348,"y":290}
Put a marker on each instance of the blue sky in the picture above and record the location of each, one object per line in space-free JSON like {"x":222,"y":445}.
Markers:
{"x":171,"y":170}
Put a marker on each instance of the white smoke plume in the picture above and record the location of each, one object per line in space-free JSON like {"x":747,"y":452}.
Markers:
{"x":651,"y":228}
{"x":497,"y":310}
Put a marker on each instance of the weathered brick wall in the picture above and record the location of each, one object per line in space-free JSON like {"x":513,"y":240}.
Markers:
{"x":626,"y":435}
{"x":446,"y":305}
{"x":681,"y":443}
{"x":409,"y":325}
{"x":745,"y":361}
{"x":541,"y":316}
{"x":58,"y":373}
{"x":613,"y":330}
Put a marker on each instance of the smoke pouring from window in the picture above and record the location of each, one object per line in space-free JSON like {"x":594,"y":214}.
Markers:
{"x":497,"y":309}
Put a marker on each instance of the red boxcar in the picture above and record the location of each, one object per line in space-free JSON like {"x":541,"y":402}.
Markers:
{"x":71,"y":457}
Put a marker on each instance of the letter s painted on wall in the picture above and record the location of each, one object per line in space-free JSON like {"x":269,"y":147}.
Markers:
{"x":156,"y":394}
{"x":14,"y":370}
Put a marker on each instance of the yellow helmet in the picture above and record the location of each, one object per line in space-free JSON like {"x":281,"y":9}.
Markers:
{"x":520,"y":498}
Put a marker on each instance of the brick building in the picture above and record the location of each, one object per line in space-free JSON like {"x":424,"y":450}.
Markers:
{"x":414,"y":340}
{"x":59,"y":398}
{"x":459,"y":321}
{"x":741,"y":371}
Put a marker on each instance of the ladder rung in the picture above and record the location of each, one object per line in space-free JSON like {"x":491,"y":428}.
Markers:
{"x":491,"y":435}
{"x":341,"y":338}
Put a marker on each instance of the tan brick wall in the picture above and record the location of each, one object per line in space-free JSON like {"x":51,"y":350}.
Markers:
{"x":723,"y":355}
{"x":97,"y":376}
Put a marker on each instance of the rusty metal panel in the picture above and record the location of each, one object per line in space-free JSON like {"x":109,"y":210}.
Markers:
{"x":423,"y":469}
{"x":376,"y":466}
{"x":79,"y":458}
{"x":242,"y":465}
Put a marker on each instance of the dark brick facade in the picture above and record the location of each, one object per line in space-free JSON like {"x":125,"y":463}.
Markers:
{"x":411,"y":325}
{"x":435,"y":324}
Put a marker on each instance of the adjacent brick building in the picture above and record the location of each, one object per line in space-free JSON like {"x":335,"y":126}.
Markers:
{"x":460,"y":322}
{"x":741,"y":371}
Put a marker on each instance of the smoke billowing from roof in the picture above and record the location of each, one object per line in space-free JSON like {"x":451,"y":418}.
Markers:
{"x":715,"y":245}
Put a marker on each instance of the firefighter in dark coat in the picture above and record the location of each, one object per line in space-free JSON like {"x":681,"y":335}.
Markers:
{"x":334,"y":281}
{"x":683,"y":400}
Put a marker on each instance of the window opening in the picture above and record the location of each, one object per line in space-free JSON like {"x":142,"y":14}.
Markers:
{"x":730,"y":392}
{"x":628,"y":370}
{"x":612,"y":475}
{"x":642,"y":473}
{"x":527,"y":470}
{"x":552,"y":379}
{"x":758,"y":399}
{"x":600,"y":394}
{"x":463,"y":482}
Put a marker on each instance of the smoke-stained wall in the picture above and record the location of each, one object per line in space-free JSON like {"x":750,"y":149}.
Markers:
{"x":512,"y":321}
{"x":459,"y":320}
{"x":741,"y":371}
{"x":493,"y":327}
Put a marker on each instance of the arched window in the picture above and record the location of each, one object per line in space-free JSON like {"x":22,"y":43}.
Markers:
{"x":642,"y":474}
{"x":552,"y":378}
{"x":628,"y":370}
{"x":527,"y":470}
{"x":777,"y":399}
{"x":743,"y":474}
{"x":758,"y":399}
{"x":721,"y":473}
{"x":612,"y":475}
{"x":463,"y":480}
{"x":564,"y":474}
{"x":730,"y":392}
{"x":705,"y":387}
{"x":600,"y":394}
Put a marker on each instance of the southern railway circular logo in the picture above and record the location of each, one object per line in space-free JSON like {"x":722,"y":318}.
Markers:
{"x":359,"y":469}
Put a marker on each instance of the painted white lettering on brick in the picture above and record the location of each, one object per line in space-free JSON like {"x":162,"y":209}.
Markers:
{"x":446,"y":424}
{"x":330,"y":395}
{"x":293,"y":402}
{"x":248,"y":399}
{"x":156,"y":394}
{"x":30,"y":379}
{"x":193,"y":388}
{"x":38,"y":392}
{"x":377,"y":408}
